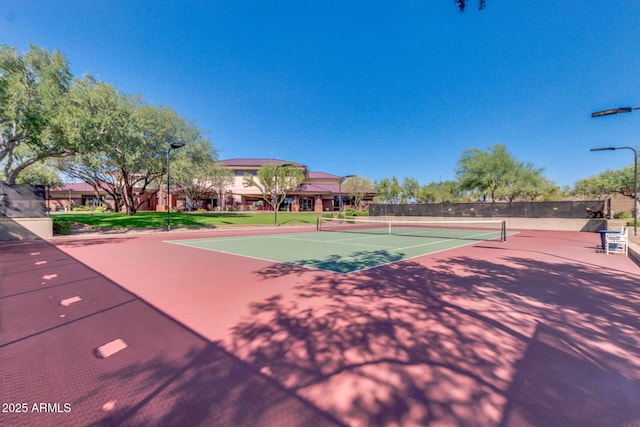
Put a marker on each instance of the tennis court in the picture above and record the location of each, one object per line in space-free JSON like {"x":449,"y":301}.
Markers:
{"x":346,"y":246}
{"x":540,"y":329}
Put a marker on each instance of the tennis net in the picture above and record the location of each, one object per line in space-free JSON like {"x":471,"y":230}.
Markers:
{"x":461,"y":229}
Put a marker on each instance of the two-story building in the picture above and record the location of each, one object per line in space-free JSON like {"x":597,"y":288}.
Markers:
{"x":319,"y":192}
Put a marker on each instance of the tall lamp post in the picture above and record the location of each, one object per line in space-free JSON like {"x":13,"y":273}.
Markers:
{"x":342,"y":178}
{"x":172,"y":146}
{"x":275,"y":192}
{"x":621,"y":110}
{"x":635,"y":181}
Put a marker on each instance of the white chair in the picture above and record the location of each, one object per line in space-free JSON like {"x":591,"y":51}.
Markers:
{"x":617,"y":243}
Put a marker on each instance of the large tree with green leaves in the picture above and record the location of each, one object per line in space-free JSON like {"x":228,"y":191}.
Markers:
{"x":221,"y":178}
{"x":33,"y":105}
{"x":100,"y":117}
{"x":439,"y":192}
{"x":388,"y":190}
{"x":526,"y":181}
{"x":125,"y":142}
{"x":275,"y":181}
{"x":487,"y":171}
{"x":357,"y":187}
{"x":196,"y":174}
{"x":42,"y":172}
{"x":620,"y":181}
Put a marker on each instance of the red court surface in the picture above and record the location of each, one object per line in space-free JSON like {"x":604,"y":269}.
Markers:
{"x":541,"y":330}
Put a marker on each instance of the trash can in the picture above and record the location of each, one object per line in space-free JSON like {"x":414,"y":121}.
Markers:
{"x":603,"y":237}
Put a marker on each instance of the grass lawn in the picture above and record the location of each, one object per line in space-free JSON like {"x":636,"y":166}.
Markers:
{"x":179,"y":219}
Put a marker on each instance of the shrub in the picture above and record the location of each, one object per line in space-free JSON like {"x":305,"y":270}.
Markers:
{"x":353,"y":212}
{"x":60,"y":226}
{"x":621,"y":215}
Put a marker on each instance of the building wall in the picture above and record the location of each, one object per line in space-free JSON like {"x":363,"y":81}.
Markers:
{"x":620,"y":203}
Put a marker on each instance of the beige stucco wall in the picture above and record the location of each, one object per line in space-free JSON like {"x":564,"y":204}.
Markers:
{"x":26,"y":228}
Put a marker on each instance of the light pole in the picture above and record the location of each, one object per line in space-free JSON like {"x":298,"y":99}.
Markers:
{"x":342,"y":178}
{"x":275,"y":192}
{"x":621,"y":110}
{"x":635,"y":181}
{"x":614,"y":111}
{"x":172,"y":146}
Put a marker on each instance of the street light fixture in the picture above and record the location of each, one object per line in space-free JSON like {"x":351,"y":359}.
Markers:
{"x":172,"y":146}
{"x":635,"y":181}
{"x":342,"y":178}
{"x":611,"y":111}
{"x":275,"y":192}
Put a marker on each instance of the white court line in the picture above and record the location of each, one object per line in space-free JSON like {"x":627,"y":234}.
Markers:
{"x":339,"y":242}
{"x":225,"y":252}
{"x":405,"y":248}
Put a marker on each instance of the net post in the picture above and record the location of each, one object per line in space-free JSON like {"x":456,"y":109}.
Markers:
{"x":504,"y":231}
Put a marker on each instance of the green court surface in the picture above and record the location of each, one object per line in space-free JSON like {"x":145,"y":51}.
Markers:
{"x":338,"y":252}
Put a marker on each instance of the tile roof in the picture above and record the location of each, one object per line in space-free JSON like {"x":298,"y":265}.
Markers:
{"x":317,"y":175}
{"x":74,"y":186}
{"x":253,"y":162}
{"x":316,"y":188}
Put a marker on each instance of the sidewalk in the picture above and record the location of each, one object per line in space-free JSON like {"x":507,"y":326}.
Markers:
{"x":56,"y":313}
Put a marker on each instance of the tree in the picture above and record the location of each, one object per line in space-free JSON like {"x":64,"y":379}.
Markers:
{"x":462,"y":4}
{"x":438,"y":192}
{"x":409,"y":190}
{"x":486,"y":171}
{"x":357,"y":187}
{"x":41,"y":172}
{"x":126,"y":142}
{"x":100,"y":117}
{"x":221,"y":178}
{"x":388,"y":190}
{"x":196,"y":173}
{"x":526,"y":181}
{"x":33,"y":99}
{"x":274,"y":188}
{"x":619,"y":181}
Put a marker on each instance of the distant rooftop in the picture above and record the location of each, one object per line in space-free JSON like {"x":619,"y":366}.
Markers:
{"x":253,"y":162}
{"x":318,"y":175}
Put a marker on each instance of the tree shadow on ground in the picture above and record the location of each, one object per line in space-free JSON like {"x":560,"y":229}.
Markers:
{"x":356,"y":261}
{"x":559,"y":383}
{"x":408,"y":344}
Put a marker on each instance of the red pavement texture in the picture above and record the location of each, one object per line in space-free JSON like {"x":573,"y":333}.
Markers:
{"x":167,"y":375}
{"x":541,"y":330}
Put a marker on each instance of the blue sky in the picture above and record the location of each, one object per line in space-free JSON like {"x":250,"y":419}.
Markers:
{"x":375,"y":88}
